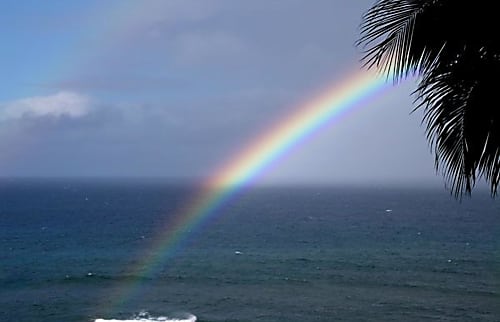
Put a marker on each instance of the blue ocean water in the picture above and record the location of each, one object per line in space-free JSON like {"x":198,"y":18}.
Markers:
{"x":68,"y":248}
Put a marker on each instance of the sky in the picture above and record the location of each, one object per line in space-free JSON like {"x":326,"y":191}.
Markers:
{"x":175,"y":88}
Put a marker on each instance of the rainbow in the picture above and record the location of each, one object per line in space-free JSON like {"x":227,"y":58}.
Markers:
{"x":239,"y":171}
{"x":252,"y":161}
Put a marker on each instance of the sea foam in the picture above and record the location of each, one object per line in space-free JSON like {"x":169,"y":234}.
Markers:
{"x":145,"y":317}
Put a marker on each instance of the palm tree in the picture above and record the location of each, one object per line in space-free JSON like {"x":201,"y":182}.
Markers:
{"x":453,"y":46}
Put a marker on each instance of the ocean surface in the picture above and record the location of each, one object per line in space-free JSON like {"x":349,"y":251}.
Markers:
{"x":69,"y":250}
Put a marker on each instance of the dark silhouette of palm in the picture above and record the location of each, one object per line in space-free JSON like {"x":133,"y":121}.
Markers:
{"x":453,"y":46}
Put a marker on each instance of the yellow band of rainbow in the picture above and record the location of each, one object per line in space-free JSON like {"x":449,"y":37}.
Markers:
{"x":251,"y":162}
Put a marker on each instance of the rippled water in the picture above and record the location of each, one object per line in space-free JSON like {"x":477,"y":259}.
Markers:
{"x":68,"y":249}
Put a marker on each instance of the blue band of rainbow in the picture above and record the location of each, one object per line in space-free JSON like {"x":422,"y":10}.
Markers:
{"x":251,"y":162}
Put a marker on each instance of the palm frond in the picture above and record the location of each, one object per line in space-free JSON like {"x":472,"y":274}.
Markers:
{"x":463,"y":119}
{"x":454,"y":47}
{"x":389,"y":37}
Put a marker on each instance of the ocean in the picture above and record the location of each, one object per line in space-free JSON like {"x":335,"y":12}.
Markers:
{"x":68,"y":249}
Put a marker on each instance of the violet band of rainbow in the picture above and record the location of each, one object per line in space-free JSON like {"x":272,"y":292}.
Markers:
{"x":253,"y":160}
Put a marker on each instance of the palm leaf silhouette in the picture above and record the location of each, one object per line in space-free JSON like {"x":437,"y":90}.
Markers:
{"x":454,"y":49}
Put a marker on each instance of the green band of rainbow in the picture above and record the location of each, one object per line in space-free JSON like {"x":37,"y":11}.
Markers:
{"x":253,"y":161}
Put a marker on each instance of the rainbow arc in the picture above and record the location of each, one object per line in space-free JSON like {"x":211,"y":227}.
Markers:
{"x":253,"y":161}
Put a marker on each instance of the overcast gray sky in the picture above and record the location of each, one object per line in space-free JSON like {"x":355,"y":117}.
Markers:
{"x":176,"y":88}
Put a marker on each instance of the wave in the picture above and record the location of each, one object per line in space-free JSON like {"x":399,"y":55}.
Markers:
{"x":146,"y":317}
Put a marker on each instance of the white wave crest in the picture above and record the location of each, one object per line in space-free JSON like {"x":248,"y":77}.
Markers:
{"x":145,"y":317}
